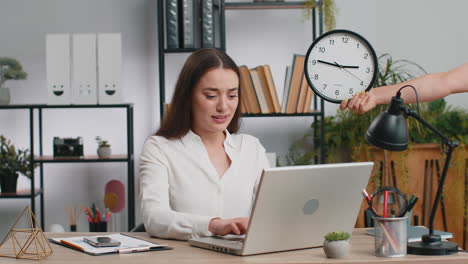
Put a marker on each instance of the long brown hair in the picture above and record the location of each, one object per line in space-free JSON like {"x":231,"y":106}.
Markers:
{"x":177,"y":120}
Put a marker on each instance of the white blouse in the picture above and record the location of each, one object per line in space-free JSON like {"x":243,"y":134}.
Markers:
{"x":181,"y":191}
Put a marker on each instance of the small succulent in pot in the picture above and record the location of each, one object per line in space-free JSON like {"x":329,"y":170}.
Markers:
{"x":104,"y":149}
{"x":336,"y":244}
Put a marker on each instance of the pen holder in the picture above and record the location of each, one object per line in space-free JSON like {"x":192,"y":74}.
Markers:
{"x":98,"y":227}
{"x":390,"y":236}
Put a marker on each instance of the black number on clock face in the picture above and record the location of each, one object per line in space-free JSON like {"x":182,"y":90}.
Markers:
{"x":345,"y":39}
{"x":351,"y":90}
{"x":324,"y":86}
{"x":332,"y":42}
{"x":337,"y":92}
{"x":322,"y":49}
{"x":315,"y":62}
{"x":316,"y":76}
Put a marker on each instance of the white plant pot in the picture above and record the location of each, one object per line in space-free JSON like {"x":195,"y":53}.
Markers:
{"x":4,"y":96}
{"x":336,"y":249}
{"x":104,"y":152}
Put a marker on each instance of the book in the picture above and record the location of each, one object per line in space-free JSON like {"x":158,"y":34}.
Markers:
{"x":186,"y":21}
{"x":308,"y":100}
{"x":269,"y":88}
{"x":172,"y":24}
{"x":207,"y":30}
{"x":416,"y":232}
{"x":258,"y":86}
{"x":302,"y":95}
{"x":128,"y":244}
{"x":295,"y":83}
{"x":248,"y":90}
{"x":287,"y":80}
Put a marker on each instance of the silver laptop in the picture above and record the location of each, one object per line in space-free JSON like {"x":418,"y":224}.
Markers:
{"x":296,"y":206}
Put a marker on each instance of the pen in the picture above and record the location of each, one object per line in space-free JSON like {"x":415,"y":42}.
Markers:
{"x":411,"y":205}
{"x":367,"y":197}
{"x":71,"y":245}
{"x":133,"y":250}
{"x":385,"y":205}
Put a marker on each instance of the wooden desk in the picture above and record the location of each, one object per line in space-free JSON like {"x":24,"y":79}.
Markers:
{"x":362,"y":247}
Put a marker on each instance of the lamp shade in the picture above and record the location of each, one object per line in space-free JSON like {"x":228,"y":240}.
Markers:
{"x":388,"y":131}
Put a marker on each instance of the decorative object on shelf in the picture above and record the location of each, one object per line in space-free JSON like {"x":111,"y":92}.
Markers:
{"x":12,"y":162}
{"x":104,"y":149}
{"x":336,"y":244}
{"x":68,"y":147}
{"x":329,"y":10}
{"x":27,"y":243}
{"x":10,"y":69}
{"x":340,"y":64}
{"x":114,"y":200}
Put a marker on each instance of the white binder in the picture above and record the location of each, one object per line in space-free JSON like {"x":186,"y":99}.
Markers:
{"x":58,"y":68}
{"x":84,"y":69}
{"x":109,"y":68}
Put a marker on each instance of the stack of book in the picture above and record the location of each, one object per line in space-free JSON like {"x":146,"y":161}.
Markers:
{"x":191,"y":23}
{"x":297,"y":94}
{"x":259,"y":92}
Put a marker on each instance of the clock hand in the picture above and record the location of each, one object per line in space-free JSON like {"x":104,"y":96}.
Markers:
{"x":347,"y":71}
{"x":329,"y":63}
{"x":350,"y":67}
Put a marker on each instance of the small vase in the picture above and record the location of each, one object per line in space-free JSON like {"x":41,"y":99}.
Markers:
{"x":4,"y":96}
{"x":8,"y":182}
{"x":336,"y":249}
{"x":104,"y":152}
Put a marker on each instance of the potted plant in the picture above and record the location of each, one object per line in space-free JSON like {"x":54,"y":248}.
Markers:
{"x":104,"y":148}
{"x":336,"y":244}
{"x":10,"y":69}
{"x":12,"y":162}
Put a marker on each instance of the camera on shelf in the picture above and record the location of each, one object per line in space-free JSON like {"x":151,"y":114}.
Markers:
{"x":68,"y":147}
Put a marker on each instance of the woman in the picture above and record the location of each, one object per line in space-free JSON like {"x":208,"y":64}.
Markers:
{"x":198,"y":178}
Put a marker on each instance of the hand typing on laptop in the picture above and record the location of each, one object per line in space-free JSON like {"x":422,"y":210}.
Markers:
{"x":234,"y":226}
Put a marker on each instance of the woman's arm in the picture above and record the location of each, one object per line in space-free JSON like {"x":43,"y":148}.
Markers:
{"x":158,"y":217}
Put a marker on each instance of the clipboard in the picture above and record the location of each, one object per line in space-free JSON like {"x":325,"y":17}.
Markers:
{"x":128,"y":244}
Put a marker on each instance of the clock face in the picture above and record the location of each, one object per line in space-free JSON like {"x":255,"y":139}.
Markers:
{"x":340,"y":64}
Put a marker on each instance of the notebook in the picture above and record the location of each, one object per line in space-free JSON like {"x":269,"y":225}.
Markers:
{"x":296,"y":206}
{"x":128,"y":244}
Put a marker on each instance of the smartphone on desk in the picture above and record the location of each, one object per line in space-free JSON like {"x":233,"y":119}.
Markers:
{"x":101,"y":241}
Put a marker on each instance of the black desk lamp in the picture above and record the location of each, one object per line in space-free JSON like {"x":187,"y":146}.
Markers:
{"x":389,"y":131}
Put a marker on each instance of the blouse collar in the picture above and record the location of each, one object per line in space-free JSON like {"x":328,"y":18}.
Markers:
{"x":192,"y":138}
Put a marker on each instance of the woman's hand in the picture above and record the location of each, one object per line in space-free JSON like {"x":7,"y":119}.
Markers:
{"x":234,"y":226}
{"x":360,"y":103}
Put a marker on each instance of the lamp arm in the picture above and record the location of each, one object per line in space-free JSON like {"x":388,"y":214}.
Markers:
{"x":451,"y":144}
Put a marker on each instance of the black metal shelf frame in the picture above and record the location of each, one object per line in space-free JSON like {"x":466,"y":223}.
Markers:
{"x":129,"y":159}
{"x":317,"y":29}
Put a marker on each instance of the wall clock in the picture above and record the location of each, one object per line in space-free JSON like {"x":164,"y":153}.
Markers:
{"x":339,"y":64}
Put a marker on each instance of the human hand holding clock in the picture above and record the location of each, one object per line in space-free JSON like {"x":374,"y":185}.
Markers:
{"x":340,"y":64}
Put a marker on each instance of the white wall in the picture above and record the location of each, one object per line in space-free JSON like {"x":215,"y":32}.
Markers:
{"x":24,"y":24}
{"x":428,"y":32}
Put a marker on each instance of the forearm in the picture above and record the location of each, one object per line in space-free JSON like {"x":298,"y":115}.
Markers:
{"x":166,"y":223}
{"x":429,"y":87}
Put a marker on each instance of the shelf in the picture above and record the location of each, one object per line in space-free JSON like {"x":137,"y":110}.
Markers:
{"x":265,"y":5}
{"x":180,"y":50}
{"x":21,"y":193}
{"x":282,"y":114}
{"x":23,"y":106}
{"x":87,"y":158}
